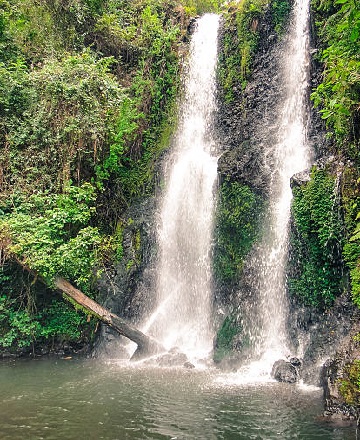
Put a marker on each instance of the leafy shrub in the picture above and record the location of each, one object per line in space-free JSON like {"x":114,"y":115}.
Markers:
{"x":60,"y":320}
{"x":49,"y":234}
{"x":29,"y":315}
{"x":17,"y":327}
{"x":339,"y":92}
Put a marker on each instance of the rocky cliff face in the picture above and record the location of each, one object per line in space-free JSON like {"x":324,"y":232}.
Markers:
{"x":127,"y":288}
{"x":246,"y":158}
{"x":239,"y":120}
{"x":339,"y":376}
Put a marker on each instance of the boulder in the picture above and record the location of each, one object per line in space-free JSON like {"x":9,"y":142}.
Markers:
{"x":284,"y":371}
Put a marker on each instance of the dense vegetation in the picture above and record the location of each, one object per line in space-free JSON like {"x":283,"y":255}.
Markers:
{"x":317,"y":240}
{"x":237,"y":227}
{"x":87,"y":95}
{"x":338,"y":97}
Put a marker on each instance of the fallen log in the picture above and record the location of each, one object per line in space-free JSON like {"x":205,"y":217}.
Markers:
{"x":146,"y":346}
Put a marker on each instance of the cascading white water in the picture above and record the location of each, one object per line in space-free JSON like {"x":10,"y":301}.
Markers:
{"x":292,"y":154}
{"x":183,"y":314}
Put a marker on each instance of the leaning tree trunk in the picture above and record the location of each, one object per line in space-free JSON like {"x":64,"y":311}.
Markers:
{"x":146,"y":345}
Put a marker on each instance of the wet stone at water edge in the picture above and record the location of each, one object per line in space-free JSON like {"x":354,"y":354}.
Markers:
{"x":286,"y":371}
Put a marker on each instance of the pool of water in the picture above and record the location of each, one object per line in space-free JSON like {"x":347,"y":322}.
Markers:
{"x":83,"y":399}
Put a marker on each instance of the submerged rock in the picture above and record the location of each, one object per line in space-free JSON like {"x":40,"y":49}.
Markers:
{"x":172,"y":358}
{"x":286,"y":371}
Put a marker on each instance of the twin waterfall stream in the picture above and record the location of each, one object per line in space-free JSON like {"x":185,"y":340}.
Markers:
{"x":183,"y":315}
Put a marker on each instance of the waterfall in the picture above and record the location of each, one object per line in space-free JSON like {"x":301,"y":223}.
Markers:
{"x":291,"y":154}
{"x":183,"y":314}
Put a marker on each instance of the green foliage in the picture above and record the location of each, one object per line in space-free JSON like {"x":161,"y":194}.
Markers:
{"x":317,"y":241}
{"x":350,"y":205}
{"x":56,"y":121}
{"x":280,"y":13}
{"x":66,"y":117}
{"x":50,"y":234}
{"x":352,"y":258}
{"x":238,"y":219}
{"x":339,"y":93}
{"x":29,"y":315}
{"x":149,"y":110}
{"x":125,"y":132}
{"x":87,"y":93}
{"x":350,"y":384}
{"x":61,"y":320}
{"x":199,"y":7}
{"x":17,"y":327}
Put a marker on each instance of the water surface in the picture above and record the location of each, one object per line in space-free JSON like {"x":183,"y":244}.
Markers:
{"x":79,"y":399}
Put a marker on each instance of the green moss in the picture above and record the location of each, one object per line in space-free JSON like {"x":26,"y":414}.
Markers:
{"x":350,"y":384}
{"x":225,"y":337}
{"x":237,"y":226}
{"x":316,"y":243}
{"x":352,"y":258}
{"x":239,"y":44}
{"x":280,"y":13}
{"x":351,"y":204}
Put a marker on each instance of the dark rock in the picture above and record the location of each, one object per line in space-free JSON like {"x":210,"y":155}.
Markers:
{"x":300,"y":179}
{"x":189,"y":365}
{"x":245,"y":164}
{"x":322,"y":333}
{"x":333,"y":374}
{"x":192,"y":25}
{"x":172,"y":358}
{"x":296,"y":362}
{"x":126,"y":289}
{"x":284,"y":371}
{"x":240,"y":121}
